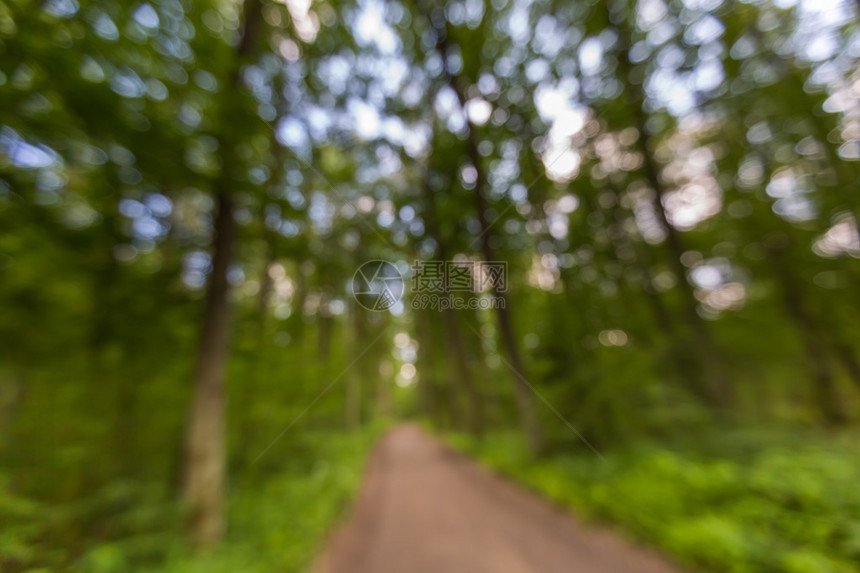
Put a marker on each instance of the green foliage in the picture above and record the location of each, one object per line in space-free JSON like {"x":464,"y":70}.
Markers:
{"x":776,"y":510}
{"x":117,"y":525}
{"x":278,"y":521}
{"x":277,"y":518}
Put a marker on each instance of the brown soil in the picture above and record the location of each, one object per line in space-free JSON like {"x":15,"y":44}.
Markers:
{"x":426,"y":509}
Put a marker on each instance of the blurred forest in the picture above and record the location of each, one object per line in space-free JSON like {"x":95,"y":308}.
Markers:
{"x":188,"y":186}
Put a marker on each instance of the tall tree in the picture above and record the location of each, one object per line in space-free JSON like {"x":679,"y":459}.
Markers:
{"x":205,"y":440}
{"x":523,"y":393}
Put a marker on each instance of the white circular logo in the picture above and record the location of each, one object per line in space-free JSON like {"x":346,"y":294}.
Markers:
{"x":377,"y":285}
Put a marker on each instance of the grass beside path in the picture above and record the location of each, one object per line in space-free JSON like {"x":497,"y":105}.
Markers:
{"x":754,"y":503}
{"x":280,"y":523}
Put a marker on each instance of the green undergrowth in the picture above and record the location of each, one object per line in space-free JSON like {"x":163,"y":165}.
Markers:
{"x":790,"y":505}
{"x":281,"y":524}
{"x":279,"y":513}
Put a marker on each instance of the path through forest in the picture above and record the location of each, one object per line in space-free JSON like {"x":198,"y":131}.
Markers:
{"x":426,"y":509}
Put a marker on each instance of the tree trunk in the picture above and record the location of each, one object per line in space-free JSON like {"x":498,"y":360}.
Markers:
{"x":258,"y":369}
{"x":452,"y":327}
{"x":203,"y":487}
{"x":522,"y":391}
{"x":849,"y":360}
{"x":205,"y":444}
{"x":358,"y":372}
{"x":824,"y":383}
{"x":353,"y":403}
{"x":429,"y":371}
{"x":710,"y":378}
{"x":814,"y":342}
{"x":525,"y":403}
{"x":325,"y":328}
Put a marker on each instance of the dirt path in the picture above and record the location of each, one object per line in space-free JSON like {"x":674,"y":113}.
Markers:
{"x":426,"y":509}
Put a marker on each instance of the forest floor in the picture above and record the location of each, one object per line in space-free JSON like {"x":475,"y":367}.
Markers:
{"x":424,"y":508}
